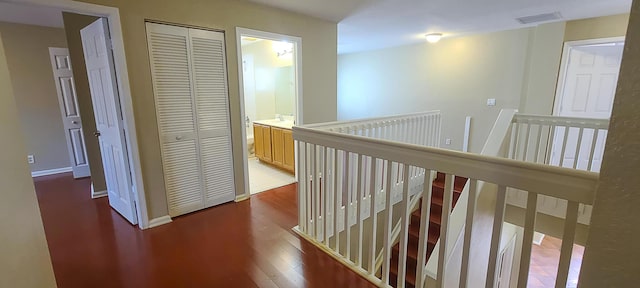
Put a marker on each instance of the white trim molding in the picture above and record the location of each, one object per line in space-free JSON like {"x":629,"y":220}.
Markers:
{"x":97,"y":194}
{"x":564,"y":63}
{"x":51,"y":172}
{"x":122,"y":74}
{"x":297,"y":48}
{"x":155,"y":222}
{"x":240,"y":198}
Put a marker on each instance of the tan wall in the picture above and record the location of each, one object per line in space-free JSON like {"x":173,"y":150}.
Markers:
{"x":319,"y":56}
{"x":593,"y":28}
{"x":611,"y":254}
{"x":456,"y":76}
{"x":27,"y":49}
{"x":25,"y":257}
{"x":73,"y":23}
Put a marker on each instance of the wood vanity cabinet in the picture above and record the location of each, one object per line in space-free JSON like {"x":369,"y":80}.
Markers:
{"x":275,"y":146}
{"x":262,"y":142}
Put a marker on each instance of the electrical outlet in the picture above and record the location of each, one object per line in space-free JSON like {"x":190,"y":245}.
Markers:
{"x":491,"y":102}
{"x":31,"y":159}
{"x":447,"y":141}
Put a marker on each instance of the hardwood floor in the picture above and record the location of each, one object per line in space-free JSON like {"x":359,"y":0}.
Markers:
{"x":544,"y":263}
{"x":246,"y":244}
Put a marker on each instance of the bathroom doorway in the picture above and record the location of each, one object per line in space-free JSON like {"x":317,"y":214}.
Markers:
{"x":270,"y":93}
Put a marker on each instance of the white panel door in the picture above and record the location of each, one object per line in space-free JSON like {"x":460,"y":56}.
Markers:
{"x":209,"y":72}
{"x":109,"y":122}
{"x":175,"y":108}
{"x":588,"y":92}
{"x":68,"y":100}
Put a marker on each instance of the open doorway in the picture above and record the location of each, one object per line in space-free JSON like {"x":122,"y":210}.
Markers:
{"x":40,"y":42}
{"x":586,"y":89}
{"x":270,"y":98}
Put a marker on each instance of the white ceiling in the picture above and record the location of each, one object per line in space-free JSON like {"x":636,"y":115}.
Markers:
{"x":374,"y":24}
{"x":32,"y":15}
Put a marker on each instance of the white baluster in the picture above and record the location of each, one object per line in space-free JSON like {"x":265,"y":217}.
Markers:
{"x":444,"y":228}
{"x":386,"y":259}
{"x":468,"y":231}
{"x":596,"y":134}
{"x":498,"y":222}
{"x":529,"y":229}
{"x":565,"y":139}
{"x":404,"y":230}
{"x":374,"y":216}
{"x":337,"y":199}
{"x":302,"y":189}
{"x":360,"y":197}
{"x":570,"y":222}
{"x":425,"y":212}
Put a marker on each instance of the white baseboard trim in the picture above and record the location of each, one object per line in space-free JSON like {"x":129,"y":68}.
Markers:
{"x":51,"y":172}
{"x":155,"y":222}
{"x":97,"y":194}
{"x":241,"y":198}
{"x":537,"y":238}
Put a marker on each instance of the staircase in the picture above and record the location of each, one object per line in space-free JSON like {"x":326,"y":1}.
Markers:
{"x":414,"y":230}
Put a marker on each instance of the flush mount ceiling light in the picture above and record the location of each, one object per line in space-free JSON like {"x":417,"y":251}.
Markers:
{"x":433,"y":37}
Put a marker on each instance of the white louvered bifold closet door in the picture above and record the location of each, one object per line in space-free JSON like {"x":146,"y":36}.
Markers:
{"x":212,"y":102}
{"x":189,"y":80}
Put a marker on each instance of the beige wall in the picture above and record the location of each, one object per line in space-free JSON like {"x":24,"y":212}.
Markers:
{"x":27,"y":49}
{"x":265,"y":62}
{"x":23,"y":247}
{"x":73,"y":23}
{"x":611,"y":254}
{"x":593,"y":28}
{"x":456,"y":76}
{"x":517,"y":67}
{"x":541,"y":76}
{"x":319,"y":56}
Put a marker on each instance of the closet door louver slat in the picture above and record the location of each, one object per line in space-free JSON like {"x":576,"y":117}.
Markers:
{"x":212,"y":104}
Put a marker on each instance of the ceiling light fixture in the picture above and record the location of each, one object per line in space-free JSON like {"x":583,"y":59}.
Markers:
{"x":433,"y":37}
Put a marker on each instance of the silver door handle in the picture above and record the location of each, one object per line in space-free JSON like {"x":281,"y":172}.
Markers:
{"x":74,"y":122}
{"x":97,"y":134}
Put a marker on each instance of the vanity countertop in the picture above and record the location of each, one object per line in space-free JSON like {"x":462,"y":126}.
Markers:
{"x":286,"y":124}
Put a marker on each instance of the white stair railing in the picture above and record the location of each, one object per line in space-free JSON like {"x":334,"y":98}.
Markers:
{"x":343,"y":172}
{"x":339,"y":168}
{"x":570,"y":142}
{"x":576,"y":143}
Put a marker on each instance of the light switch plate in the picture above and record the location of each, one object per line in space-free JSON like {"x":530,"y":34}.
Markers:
{"x":491,"y":102}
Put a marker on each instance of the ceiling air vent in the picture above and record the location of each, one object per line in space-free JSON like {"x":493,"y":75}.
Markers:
{"x":540,"y":18}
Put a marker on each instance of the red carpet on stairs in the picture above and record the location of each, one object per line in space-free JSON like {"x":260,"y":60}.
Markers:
{"x":414,"y":230}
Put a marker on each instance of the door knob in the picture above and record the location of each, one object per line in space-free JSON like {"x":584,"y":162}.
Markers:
{"x":97,"y":133}
{"x":74,"y":122}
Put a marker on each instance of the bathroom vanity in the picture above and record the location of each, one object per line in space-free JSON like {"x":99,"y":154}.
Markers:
{"x":274,"y":143}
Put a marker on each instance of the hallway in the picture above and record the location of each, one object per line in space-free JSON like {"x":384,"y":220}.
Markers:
{"x":246,"y":244}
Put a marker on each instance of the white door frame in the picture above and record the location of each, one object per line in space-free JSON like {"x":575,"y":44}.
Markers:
{"x":564,"y":64}
{"x":112,"y":15}
{"x":297,"y":48}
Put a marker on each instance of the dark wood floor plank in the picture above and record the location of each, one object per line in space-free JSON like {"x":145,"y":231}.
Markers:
{"x":246,"y":244}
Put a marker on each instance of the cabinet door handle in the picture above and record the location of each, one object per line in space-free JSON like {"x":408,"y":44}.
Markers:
{"x":179,"y":138}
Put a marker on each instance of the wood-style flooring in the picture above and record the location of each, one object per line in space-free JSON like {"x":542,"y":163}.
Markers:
{"x":246,"y":244}
{"x":544,"y":263}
